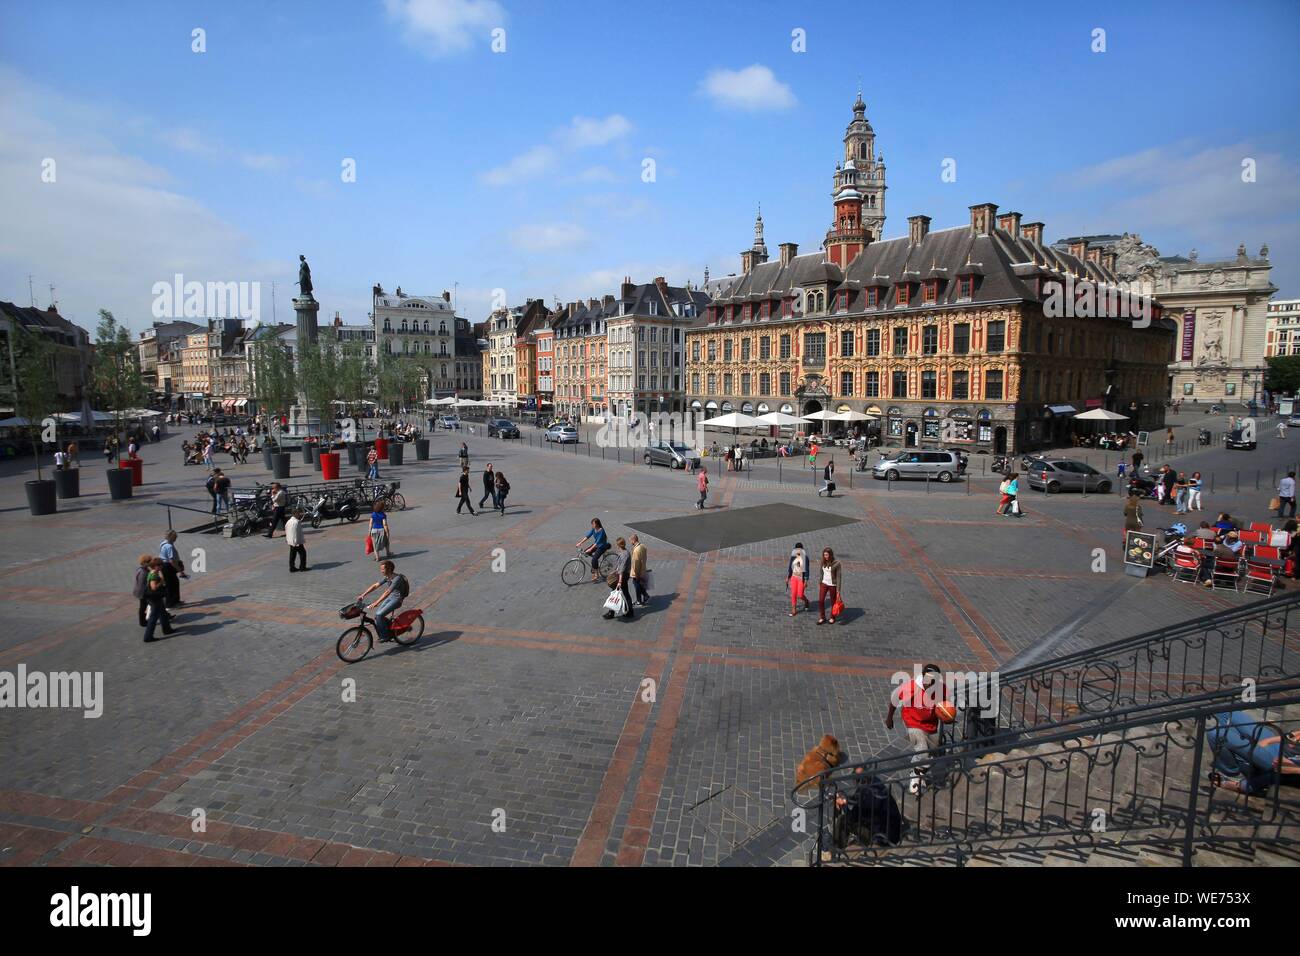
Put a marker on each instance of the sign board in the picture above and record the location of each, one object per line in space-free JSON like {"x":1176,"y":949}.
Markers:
{"x":1189,"y":334}
{"x":1139,"y":552}
{"x":1143,"y":437}
{"x":1285,"y":406}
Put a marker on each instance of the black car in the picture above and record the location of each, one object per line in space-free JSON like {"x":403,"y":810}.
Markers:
{"x":502,"y":428}
{"x":1237,"y":440}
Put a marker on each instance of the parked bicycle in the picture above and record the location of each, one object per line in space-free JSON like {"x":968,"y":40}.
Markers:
{"x":578,"y":567}
{"x":355,"y":643}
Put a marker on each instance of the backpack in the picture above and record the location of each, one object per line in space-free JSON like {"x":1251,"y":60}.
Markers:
{"x":211,"y":484}
{"x":504,"y":486}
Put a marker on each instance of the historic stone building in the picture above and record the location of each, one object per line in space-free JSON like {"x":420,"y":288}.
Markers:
{"x":580,"y":359}
{"x":1220,"y":309}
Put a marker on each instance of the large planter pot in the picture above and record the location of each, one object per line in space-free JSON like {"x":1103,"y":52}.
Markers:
{"x":363,"y":466}
{"x":396,"y":451}
{"x":281,"y":465}
{"x":317,"y":452}
{"x":352,"y":452}
{"x":40,"y":497}
{"x":135,"y":467}
{"x":119,"y":484}
{"x":68,"y":483}
{"x":306,"y":452}
{"x":422,"y":449}
{"x":329,"y":465}
{"x":267,"y":451}
{"x":381,"y":446}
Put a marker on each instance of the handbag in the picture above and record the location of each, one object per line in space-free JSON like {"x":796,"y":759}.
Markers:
{"x":370,"y":545}
{"x":1274,"y":504}
{"x":837,"y":606}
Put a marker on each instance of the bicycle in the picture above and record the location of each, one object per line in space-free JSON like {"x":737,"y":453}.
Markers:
{"x":577,"y":568}
{"x":355,"y":643}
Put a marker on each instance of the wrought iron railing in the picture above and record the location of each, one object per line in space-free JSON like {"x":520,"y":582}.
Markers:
{"x":1258,"y":643}
{"x":1139,"y":783}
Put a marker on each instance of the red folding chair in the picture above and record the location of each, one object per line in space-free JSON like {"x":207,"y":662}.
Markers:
{"x":1261,"y":526}
{"x":1265,"y":552}
{"x":1226,"y":573}
{"x":1187,"y":565}
{"x":1253,"y":537}
{"x":1260,"y":578}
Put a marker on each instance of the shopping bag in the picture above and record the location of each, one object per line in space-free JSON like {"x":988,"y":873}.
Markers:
{"x":837,"y":608}
{"x":370,"y":545}
{"x":1274,"y":504}
{"x":1015,"y":506}
{"x":616,"y":603}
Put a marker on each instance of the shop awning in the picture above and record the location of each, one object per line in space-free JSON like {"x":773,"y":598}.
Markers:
{"x":1061,"y":409}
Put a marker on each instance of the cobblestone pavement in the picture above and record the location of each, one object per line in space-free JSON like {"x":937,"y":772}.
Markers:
{"x":523,"y":728}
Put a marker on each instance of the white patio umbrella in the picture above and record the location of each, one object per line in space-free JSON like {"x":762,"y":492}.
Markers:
{"x":780,"y":419}
{"x":1100,"y":415}
{"x":825,"y":415}
{"x":852,"y":416}
{"x":735,"y":420}
{"x":16,"y":422}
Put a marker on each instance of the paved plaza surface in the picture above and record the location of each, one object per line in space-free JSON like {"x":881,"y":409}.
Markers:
{"x":521,"y":706}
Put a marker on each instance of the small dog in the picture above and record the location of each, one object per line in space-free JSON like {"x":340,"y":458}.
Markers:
{"x":825,"y":756}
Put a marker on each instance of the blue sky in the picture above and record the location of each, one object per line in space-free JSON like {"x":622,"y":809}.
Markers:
{"x":522,"y":170}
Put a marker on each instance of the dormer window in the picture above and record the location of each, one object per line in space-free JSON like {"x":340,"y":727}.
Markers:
{"x":965,"y":286}
{"x":873,"y":297}
{"x":903,"y":295}
{"x":930,"y":291}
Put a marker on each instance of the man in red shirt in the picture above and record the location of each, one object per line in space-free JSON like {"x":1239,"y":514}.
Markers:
{"x":917,"y":699}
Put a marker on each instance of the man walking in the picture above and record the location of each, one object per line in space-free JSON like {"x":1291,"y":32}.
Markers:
{"x":279,"y":504}
{"x":221,"y":492}
{"x":489,"y":485}
{"x":172,"y":569}
{"x":639,"y":570}
{"x":297,"y":550}
{"x":702,"y":483}
{"x":372,"y":459}
{"x":395,"y":589}
{"x":622,"y":568}
{"x":1286,"y":495}
{"x":917,"y":699}
{"x":462,"y":491}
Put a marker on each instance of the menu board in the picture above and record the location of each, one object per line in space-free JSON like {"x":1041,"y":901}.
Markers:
{"x":1140,"y":548}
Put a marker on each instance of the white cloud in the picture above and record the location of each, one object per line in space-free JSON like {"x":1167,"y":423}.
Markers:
{"x":596,"y":174}
{"x":533,"y":164}
{"x":584,"y":131}
{"x":111,"y":224}
{"x":755,"y":88}
{"x":549,"y":237}
{"x":442,"y":27}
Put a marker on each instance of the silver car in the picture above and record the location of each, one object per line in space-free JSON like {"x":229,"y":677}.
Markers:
{"x":670,"y":454}
{"x":943,"y":465}
{"x":564,"y":434}
{"x":1065,"y":474}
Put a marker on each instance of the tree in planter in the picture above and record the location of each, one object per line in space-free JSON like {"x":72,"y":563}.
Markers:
{"x":355,"y":374}
{"x":318,"y":368}
{"x":401,"y":380}
{"x":275,"y":384}
{"x":1283,"y":374}
{"x":115,"y":378}
{"x":37,"y":394}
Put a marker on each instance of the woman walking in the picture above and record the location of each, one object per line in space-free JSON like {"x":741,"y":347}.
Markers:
{"x":379,"y":531}
{"x":1194,"y":492}
{"x":702,"y":484}
{"x":156,"y":596}
{"x":796,"y":578}
{"x":462,"y":490}
{"x":500,"y":489}
{"x":1010,"y":492}
{"x":830,"y":586}
{"x":1132,"y":516}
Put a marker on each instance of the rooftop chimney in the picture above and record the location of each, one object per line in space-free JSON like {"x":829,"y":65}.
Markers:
{"x":918,"y":227}
{"x":628,"y":288}
{"x":1010,"y":222}
{"x":1094,"y":255}
{"x":1079,"y":248}
{"x":1108,"y":259}
{"x":1033,"y":232}
{"x":662,"y":283}
{"x":788,"y":251}
{"x":446,"y":296}
{"x":981,"y":218}
{"x":607,"y":300}
{"x":593,"y":304}
{"x":747,"y":261}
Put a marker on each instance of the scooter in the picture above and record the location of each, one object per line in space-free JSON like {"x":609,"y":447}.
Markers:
{"x":1001,"y":464}
{"x":325,"y":507}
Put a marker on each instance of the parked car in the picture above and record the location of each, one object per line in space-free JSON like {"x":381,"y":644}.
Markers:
{"x":1065,"y":474}
{"x":564,"y":434}
{"x":449,"y":422}
{"x":1237,"y":441}
{"x":503,"y":428}
{"x":943,"y":465}
{"x":1293,"y":421}
{"x":671,"y":454}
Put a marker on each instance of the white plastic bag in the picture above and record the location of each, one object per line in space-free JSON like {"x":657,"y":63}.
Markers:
{"x":616,"y":602}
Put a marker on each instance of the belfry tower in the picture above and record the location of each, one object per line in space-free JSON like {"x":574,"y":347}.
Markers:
{"x":859,"y":192}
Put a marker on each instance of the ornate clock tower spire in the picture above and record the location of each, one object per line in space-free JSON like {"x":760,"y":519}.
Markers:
{"x":859,"y":191}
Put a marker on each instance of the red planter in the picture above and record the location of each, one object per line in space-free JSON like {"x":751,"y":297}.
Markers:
{"x":381,"y":446}
{"x":136,"y":467}
{"x":329,"y":465}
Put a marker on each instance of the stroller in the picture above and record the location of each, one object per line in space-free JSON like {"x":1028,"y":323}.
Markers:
{"x":1203,"y":436}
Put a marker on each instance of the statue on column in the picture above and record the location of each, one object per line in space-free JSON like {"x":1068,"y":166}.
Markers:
{"x":304,"y":276}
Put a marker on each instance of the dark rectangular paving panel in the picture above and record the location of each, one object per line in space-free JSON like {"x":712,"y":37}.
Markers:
{"x":730,"y":527}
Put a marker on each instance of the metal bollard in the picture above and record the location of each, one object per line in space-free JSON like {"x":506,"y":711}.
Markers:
{"x":1211,"y":482}
{"x":1237,"y":482}
{"x":778,"y":469}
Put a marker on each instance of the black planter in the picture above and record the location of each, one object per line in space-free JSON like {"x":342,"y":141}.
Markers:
{"x":422,"y":449}
{"x":281,"y":465}
{"x":363,"y":466}
{"x":315,"y":457}
{"x":40,"y":497}
{"x":395,"y":452}
{"x":119,"y":483}
{"x":68,"y":483}
{"x":352,"y":452}
{"x":306,"y":452}
{"x":266,"y":456}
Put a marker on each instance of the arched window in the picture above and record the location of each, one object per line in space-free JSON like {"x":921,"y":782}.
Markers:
{"x":442,"y":328}
{"x":403,"y":325}
{"x":426,"y":325}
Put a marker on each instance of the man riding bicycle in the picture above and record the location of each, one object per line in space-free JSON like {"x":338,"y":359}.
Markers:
{"x":397,"y":589}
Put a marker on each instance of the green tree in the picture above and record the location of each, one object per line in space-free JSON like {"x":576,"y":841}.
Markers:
{"x":356,"y":375}
{"x":318,"y":368}
{"x":275,"y":385}
{"x":37,"y":394}
{"x":1283,"y":374}
{"x":115,"y":378}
